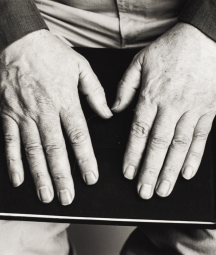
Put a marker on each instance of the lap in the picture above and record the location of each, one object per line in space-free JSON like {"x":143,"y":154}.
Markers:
{"x":33,"y":238}
{"x":157,"y":240}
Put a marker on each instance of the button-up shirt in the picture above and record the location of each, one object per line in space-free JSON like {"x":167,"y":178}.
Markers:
{"x":110,"y":23}
{"x":94,"y":23}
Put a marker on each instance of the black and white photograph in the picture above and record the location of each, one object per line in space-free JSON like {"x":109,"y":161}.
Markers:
{"x":107,"y":130}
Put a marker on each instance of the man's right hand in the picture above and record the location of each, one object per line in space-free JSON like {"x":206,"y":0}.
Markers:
{"x":39,"y":78}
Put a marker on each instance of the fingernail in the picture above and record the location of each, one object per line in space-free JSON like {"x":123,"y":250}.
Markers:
{"x":145,"y":191}
{"x":163,"y":188}
{"x":188,"y":172}
{"x":90,"y":178}
{"x":45,"y":194}
{"x":116,"y":104}
{"x":65,"y":197}
{"x":107,"y":111}
{"x":15,"y":178}
{"x":130,"y":172}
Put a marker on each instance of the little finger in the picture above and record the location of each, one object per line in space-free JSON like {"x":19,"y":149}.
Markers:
{"x":196,"y":150}
{"x":13,"y":150}
{"x":176,"y":154}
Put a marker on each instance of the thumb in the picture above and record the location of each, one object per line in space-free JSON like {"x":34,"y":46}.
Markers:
{"x":128,"y":85}
{"x":92,"y":89}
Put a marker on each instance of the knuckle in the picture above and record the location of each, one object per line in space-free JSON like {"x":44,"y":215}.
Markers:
{"x":133,"y":153}
{"x":60,"y":179}
{"x":122,"y":84}
{"x":147,"y":97}
{"x":157,"y":142}
{"x":33,"y":149}
{"x":83,"y":160}
{"x":151,"y":172}
{"x":72,"y":112}
{"x":11,"y":162}
{"x":39,"y":176}
{"x":54,"y":149}
{"x":181,"y":142}
{"x":170,"y":170}
{"x":140,"y":130}
{"x":200,"y":135}
{"x":54,"y":146}
{"x":11,"y":139}
{"x":195,"y":154}
{"x":78,"y":137}
{"x":98,"y":90}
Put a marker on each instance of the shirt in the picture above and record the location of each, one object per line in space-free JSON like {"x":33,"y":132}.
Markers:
{"x":110,"y":23}
{"x":20,"y":17}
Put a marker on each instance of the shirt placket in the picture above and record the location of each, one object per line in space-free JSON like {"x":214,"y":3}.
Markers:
{"x":125,"y":8}
{"x":121,"y":4}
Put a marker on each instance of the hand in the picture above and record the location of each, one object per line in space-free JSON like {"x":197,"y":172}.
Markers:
{"x":39,"y":78}
{"x":175,"y":109}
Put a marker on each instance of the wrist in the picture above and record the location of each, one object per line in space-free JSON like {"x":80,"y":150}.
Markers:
{"x":187,"y":35}
{"x":41,"y":42}
{"x":24,"y":42}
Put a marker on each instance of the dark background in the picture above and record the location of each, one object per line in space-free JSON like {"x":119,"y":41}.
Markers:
{"x":113,"y":196}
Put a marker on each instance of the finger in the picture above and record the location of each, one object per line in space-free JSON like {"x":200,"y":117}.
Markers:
{"x":158,"y":144}
{"x":92,"y":89}
{"x":197,"y":147}
{"x":36,"y":160}
{"x":176,"y":154}
{"x":56,"y":154}
{"x":143,"y":120}
{"x":13,"y":150}
{"x":128,"y":85}
{"x":77,"y":131}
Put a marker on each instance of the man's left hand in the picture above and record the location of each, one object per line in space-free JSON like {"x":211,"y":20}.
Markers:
{"x":175,"y":110}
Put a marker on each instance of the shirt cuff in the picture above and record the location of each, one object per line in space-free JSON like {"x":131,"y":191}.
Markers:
{"x":17,"y":19}
{"x":202,"y":15}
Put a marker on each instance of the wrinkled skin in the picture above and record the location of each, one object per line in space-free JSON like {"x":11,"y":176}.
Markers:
{"x":175,"y":110}
{"x":174,"y":114}
{"x":39,"y":77}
